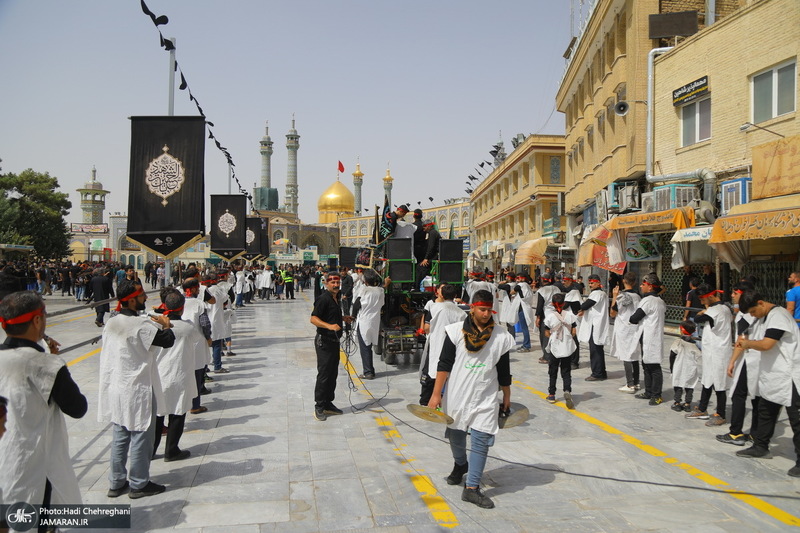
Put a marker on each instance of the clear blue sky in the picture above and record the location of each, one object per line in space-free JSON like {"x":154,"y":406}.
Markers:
{"x":424,"y":85}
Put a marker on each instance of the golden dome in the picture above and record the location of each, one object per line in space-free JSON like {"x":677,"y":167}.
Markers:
{"x":336,"y":201}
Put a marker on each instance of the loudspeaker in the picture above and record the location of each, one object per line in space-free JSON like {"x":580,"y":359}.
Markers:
{"x":333,"y":262}
{"x":397,"y":248}
{"x":621,"y":108}
{"x":347,"y":256}
{"x":451,"y":272}
{"x":401,"y":271}
{"x":451,"y":250}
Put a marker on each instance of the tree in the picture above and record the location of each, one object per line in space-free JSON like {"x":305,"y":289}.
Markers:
{"x":33,"y":210}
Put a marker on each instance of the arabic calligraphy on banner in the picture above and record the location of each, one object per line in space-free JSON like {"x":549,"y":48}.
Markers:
{"x":762,"y":225}
{"x":680,"y":218}
{"x":640,"y":247}
{"x":776,"y":168}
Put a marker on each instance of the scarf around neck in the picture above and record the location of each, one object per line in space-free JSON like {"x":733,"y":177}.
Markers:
{"x":475,"y":340}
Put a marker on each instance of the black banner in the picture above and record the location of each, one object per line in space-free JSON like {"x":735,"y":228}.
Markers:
{"x":256,"y":238}
{"x":228,"y":224}
{"x":166,"y":207}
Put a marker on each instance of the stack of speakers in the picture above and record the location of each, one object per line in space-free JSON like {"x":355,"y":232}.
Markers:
{"x":451,"y":261}
{"x":399,"y":260}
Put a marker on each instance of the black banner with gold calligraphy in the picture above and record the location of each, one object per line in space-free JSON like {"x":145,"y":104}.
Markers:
{"x":166,"y":208}
{"x":257,"y":240}
{"x":228,"y":229}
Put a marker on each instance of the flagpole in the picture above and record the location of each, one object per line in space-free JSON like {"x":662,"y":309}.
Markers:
{"x":170,"y":112}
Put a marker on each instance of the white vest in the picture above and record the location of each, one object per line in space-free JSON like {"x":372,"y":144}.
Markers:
{"x":626,"y":335}
{"x":717,"y":347}
{"x":36,"y":444}
{"x":781,"y":364}
{"x":595,"y":320}
{"x":560,"y":343}
{"x":368,"y":323}
{"x":651,"y":329}
{"x":751,"y":357}
{"x":471,"y":397}
{"x":192,"y":309}
{"x":176,"y":370}
{"x":128,"y":373}
{"x":688,"y":361}
{"x":442,"y":315}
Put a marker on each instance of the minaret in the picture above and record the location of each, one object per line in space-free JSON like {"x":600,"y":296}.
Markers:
{"x":387,"y":186}
{"x":292,"y":145}
{"x":93,"y":200}
{"x":266,"y":159}
{"x":357,"y":181}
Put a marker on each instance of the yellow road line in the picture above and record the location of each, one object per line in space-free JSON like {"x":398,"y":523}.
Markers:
{"x":437,"y":505}
{"x":749,"y":499}
{"x":84,"y":357}
{"x":53,"y":324}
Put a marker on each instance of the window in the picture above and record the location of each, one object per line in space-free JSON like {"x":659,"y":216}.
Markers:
{"x":454,"y":220}
{"x":696,"y":122}
{"x":353,"y":230}
{"x":363,"y":229}
{"x":774,"y":92}
{"x":465,"y":219}
{"x":344,"y":231}
{"x":555,"y":170}
{"x":278,"y":235}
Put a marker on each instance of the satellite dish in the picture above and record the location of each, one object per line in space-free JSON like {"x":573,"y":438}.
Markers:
{"x":621,"y":108}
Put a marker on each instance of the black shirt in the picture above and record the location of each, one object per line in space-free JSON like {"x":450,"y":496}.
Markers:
{"x":327,"y":309}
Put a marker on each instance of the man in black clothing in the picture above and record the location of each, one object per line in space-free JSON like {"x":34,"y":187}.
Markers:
{"x":327,"y":317}
{"x":431,"y":252}
{"x":419,"y":236}
{"x":100,"y":289}
{"x":318,"y":281}
{"x":346,"y":290}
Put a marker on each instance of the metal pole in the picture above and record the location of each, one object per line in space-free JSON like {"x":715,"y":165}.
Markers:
{"x":230,"y":178}
{"x":170,"y":112}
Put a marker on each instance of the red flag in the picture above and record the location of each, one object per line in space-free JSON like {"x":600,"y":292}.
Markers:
{"x":341,"y":167}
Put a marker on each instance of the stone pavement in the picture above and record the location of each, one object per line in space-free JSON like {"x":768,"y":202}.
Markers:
{"x":261,"y":462}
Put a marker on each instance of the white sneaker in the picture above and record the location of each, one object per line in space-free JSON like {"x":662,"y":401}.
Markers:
{"x":625,"y":388}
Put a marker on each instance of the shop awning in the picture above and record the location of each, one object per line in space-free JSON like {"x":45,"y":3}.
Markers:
{"x":761,"y":219}
{"x":671,"y":219}
{"x":690,"y":247}
{"x":532,"y":252}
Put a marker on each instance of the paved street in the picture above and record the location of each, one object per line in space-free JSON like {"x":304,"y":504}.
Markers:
{"x":261,"y":462}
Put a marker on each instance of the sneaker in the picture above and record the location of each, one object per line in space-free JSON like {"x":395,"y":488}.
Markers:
{"x":656,"y":400}
{"x":677,"y":406}
{"x":367,"y":375}
{"x":594,"y":378}
{"x":754,"y":451}
{"x":331,"y":409}
{"x":319,"y":414}
{"x":568,"y":400}
{"x":687,"y":407}
{"x":98,"y":323}
{"x":201,"y":409}
{"x":221,"y":371}
{"x":457,"y":474}
{"x":228,"y":354}
{"x":698,"y":415}
{"x":477,"y":497}
{"x":231,"y":353}
{"x":644,"y":396}
{"x":551,"y":398}
{"x":116,"y":493}
{"x":730,"y":438}
{"x":637,"y":387}
{"x":180,"y":456}
{"x":543,"y":361}
{"x":794,"y":471}
{"x":523,"y":350}
{"x":151,"y":489}
{"x":715,"y":420}
{"x":625,"y":388}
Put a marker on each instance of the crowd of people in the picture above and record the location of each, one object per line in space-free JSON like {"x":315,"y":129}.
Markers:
{"x":155,"y":367}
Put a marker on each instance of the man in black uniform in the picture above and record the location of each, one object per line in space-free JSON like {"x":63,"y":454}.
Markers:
{"x":431,"y":252}
{"x":419,"y":237}
{"x":100,"y":289}
{"x":327,"y":317}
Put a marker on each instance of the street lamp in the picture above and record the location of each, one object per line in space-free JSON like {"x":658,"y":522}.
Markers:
{"x":746,"y":126}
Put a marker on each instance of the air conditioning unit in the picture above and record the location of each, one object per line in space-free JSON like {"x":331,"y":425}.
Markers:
{"x":629,"y":198}
{"x":613,"y":197}
{"x":602,"y":205}
{"x":648,"y":202}
{"x":674,"y":196}
{"x":736,"y":192}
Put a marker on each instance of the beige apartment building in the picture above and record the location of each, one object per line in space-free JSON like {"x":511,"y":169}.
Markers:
{"x":725,"y":103}
{"x":519,"y":200}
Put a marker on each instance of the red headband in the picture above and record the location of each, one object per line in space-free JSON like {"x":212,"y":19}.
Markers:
{"x":332,"y":278}
{"x":170,"y":311}
{"x":21,"y":319}
{"x":684,"y":331}
{"x":483,"y":304}
{"x":712,"y":293}
{"x":131,"y":296}
{"x":738,"y":291}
